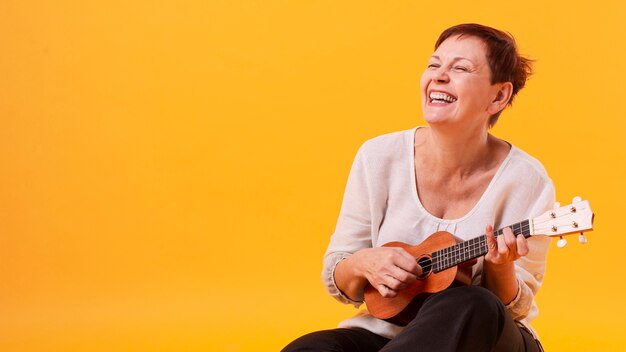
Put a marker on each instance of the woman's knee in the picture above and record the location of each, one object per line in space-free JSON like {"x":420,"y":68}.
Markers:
{"x":475,"y":299}
{"x":326,"y":340}
{"x":337,"y":340}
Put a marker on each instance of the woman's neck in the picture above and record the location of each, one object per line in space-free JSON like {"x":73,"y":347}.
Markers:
{"x":456,"y":153}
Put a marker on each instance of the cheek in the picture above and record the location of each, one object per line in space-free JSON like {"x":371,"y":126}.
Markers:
{"x":424,"y":82}
{"x":479,"y":92}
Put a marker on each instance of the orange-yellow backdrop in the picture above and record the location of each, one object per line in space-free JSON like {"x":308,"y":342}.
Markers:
{"x":171,"y":170}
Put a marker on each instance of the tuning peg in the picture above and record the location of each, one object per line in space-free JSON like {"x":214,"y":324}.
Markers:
{"x":556,"y":205}
{"x":582,"y":239}
{"x":576,"y":199}
{"x":561,"y":242}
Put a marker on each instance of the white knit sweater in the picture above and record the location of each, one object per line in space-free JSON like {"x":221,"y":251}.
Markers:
{"x":381,"y":205}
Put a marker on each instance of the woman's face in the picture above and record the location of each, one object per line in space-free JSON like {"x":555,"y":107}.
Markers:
{"x":456,"y":86}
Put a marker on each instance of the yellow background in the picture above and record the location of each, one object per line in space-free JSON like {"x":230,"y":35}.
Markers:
{"x":170,"y":171}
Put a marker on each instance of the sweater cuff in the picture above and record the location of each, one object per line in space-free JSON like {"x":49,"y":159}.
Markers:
{"x":331,"y":285}
{"x":521,"y":305}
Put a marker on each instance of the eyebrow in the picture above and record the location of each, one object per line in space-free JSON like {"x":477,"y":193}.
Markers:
{"x":454,"y":59}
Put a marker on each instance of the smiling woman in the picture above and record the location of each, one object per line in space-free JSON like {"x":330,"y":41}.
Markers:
{"x":451,"y":176}
{"x":491,"y":54}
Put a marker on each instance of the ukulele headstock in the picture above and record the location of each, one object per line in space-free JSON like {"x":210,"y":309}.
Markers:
{"x":574,"y":218}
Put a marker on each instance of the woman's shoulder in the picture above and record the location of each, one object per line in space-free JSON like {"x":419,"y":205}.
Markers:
{"x":388,"y":144}
{"x":522,"y":163}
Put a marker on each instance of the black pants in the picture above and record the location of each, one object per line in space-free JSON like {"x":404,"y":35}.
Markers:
{"x":468,"y":318}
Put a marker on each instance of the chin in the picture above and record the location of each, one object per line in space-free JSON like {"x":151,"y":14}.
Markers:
{"x":436,"y":119}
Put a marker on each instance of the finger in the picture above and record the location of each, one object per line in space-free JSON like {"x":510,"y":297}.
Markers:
{"x":503,"y":249}
{"x":522,"y":245}
{"x":491,"y":241}
{"x":386,"y":291}
{"x":418,"y":270}
{"x":510,"y":240}
{"x":406,"y":262}
{"x":390,"y":281}
{"x":402,"y":275}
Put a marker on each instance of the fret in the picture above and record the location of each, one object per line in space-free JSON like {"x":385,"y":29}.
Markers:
{"x":481,"y":248}
{"x":451,"y":251}
{"x":454,"y":254}
{"x":475,"y":242}
{"x":462,"y":249}
{"x":478,"y":244}
{"x":473,"y":248}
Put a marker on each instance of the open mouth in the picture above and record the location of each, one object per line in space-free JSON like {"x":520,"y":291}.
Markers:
{"x":441,"y":98}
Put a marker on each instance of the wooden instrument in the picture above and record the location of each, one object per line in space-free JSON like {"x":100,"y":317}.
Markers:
{"x":445,"y":262}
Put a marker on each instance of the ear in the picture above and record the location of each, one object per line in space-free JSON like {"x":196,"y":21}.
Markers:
{"x":502,"y":97}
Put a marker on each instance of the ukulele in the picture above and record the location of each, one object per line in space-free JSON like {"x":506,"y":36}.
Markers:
{"x":446,"y":263}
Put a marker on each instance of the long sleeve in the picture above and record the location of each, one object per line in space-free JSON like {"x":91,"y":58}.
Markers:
{"x":354,"y":226}
{"x":530,"y":269}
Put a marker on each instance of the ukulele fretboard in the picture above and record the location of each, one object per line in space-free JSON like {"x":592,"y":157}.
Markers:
{"x":465,"y":251}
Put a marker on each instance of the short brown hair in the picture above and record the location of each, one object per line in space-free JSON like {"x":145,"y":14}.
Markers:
{"x":505,"y":63}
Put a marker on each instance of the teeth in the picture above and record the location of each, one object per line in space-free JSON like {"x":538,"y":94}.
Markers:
{"x":442,"y":96}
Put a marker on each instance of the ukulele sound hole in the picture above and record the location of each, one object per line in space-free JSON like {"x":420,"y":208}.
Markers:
{"x":427,"y":266}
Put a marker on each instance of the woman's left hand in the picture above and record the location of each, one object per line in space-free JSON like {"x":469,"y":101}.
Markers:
{"x":499,"y":267}
{"x":507,"y":248}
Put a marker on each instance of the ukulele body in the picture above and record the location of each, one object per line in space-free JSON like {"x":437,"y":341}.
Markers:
{"x":401,"y":309}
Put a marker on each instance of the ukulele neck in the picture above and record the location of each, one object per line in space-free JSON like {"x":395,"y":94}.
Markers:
{"x":471,"y":249}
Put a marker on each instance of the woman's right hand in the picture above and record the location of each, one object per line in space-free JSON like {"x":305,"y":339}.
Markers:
{"x":388,"y":269}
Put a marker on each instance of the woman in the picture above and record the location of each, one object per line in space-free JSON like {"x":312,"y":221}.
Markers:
{"x":450,"y":176}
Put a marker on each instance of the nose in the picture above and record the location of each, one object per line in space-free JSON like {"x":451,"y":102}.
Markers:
{"x":440,"y":75}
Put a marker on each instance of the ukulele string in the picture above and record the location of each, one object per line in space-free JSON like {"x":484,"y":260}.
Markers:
{"x":478,"y":243}
{"x":463,"y":247}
